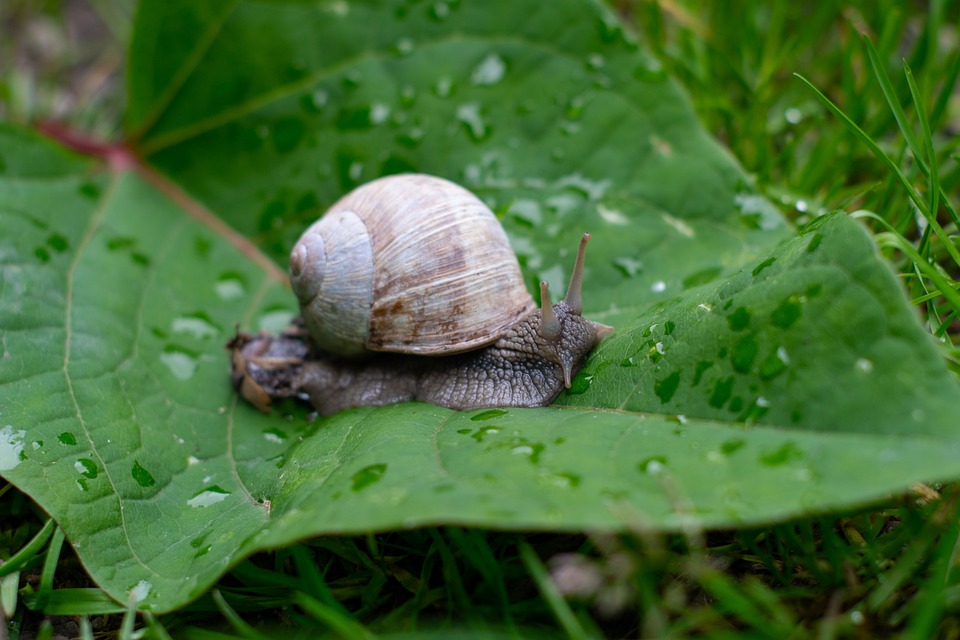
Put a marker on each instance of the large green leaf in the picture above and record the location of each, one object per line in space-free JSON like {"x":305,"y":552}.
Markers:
{"x":753,"y":377}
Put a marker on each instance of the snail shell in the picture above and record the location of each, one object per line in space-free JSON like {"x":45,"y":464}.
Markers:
{"x":410,"y":264}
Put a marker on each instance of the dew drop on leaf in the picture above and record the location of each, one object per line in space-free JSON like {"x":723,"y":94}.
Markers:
{"x":11,"y":447}
{"x":490,"y":71}
{"x":86,"y":468}
{"x":488,"y":414}
{"x":181,"y":362}
{"x":652,"y":465}
{"x":367,"y":476}
{"x":67,"y":438}
{"x":230,"y":286}
{"x":197,"y":325}
{"x":141,"y":475}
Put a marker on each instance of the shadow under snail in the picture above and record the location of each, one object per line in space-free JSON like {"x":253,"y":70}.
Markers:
{"x":409,"y":290}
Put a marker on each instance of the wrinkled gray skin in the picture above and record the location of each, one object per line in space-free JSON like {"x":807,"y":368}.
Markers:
{"x":521,"y":369}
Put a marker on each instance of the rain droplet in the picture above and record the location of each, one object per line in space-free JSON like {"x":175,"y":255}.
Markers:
{"x":198,"y":325}
{"x":526,"y":211}
{"x":181,"y":362}
{"x":141,"y":475}
{"x":86,"y":468}
{"x":140,"y":591}
{"x":403,"y":47}
{"x":367,"y":476}
{"x":58,"y":243}
{"x":11,"y":447}
{"x":595,"y":61}
{"x":763,"y":265}
{"x":67,"y":438}
{"x":275,"y":436}
{"x":443,"y":87}
{"x":731,"y":446}
{"x":469,"y":114}
{"x":275,"y":320}
{"x":793,"y":115}
{"x":787,"y":312}
{"x":864,"y":365}
{"x":664,"y":389}
{"x":439,"y":11}
{"x":652,"y":465}
{"x":744,"y":353}
{"x":230,"y":285}
{"x":659,"y":286}
{"x":628,"y":266}
{"x":785,"y":453}
{"x":483,"y":432}
{"x":487,"y":415}
{"x":489,"y":71}
{"x":379,"y":112}
{"x":209,"y":496}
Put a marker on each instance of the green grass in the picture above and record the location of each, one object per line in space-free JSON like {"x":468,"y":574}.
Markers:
{"x":872,"y":126}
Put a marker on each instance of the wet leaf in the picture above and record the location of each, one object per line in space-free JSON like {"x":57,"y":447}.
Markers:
{"x":756,"y":374}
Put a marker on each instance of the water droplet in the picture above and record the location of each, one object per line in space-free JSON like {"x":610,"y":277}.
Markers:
{"x":140,"y":591}
{"x":489,"y":71}
{"x":90,"y":190}
{"x":443,"y":88}
{"x":82,"y":484}
{"x":181,"y":362}
{"x":275,"y":436}
{"x":629,"y":267}
{"x":412,"y":136}
{"x":379,"y":113}
{"x":67,"y":438}
{"x":763,"y":265}
{"x":230,"y":286}
{"x":58,"y":243}
{"x":739,"y":319}
{"x":659,"y":286}
{"x":528,"y":212}
{"x":275,"y":319}
{"x":814,"y":242}
{"x":524,"y":447}
{"x":141,"y":475}
{"x":198,"y":325}
{"x":722,"y":391}
{"x":86,"y":468}
{"x":595,"y":61}
{"x":701,"y":277}
{"x":351,"y":79}
{"x":652,"y":465}
{"x":209,"y":496}
{"x":667,"y":387}
{"x":731,"y":446}
{"x":42,"y":254}
{"x":11,"y":447}
{"x":785,"y":453}
{"x":702,"y":366}
{"x":609,"y":28}
{"x":486,"y":415}
{"x":287,"y":133}
{"x":612,"y":216}
{"x":787,"y":312}
{"x":564,"y":480}
{"x":580,"y":383}
{"x":744,"y":353}
{"x":801,"y":206}
{"x":439,"y":11}
{"x":469,"y":115}
{"x":403,"y":47}
{"x":483,"y":432}
{"x":756,"y":212}
{"x":793,"y":115}
{"x":864,"y":365}
{"x":774,"y":364}
{"x":319,"y":99}
{"x":367,"y":476}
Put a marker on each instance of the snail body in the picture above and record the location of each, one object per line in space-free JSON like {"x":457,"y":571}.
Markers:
{"x":409,"y":290}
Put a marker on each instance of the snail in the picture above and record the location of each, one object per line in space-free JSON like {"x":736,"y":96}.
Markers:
{"x":409,"y":290}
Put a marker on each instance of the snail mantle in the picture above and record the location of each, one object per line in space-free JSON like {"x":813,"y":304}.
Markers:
{"x":409,"y":290}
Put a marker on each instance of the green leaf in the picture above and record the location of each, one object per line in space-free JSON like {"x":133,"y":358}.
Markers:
{"x":117,"y":297}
